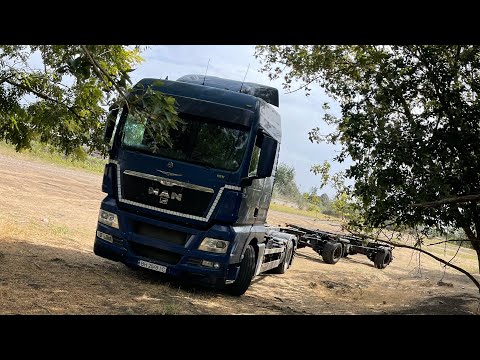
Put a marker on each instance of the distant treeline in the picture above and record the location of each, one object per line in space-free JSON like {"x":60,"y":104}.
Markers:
{"x":287,"y":189}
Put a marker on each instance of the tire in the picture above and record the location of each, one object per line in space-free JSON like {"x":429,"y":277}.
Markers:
{"x":245,"y":275}
{"x":332,"y":252}
{"x":382,"y":258}
{"x":346,"y":250}
{"x":285,"y":264}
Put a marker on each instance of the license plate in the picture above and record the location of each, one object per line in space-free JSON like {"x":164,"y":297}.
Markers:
{"x":151,"y":266}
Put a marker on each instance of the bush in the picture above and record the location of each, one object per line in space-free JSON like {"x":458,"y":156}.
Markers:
{"x":329,"y":212}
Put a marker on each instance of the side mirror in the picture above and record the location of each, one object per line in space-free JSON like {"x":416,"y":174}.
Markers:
{"x":110,"y":123}
{"x":267,"y":157}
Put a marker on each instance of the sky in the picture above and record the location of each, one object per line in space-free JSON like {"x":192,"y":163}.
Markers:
{"x":299,"y":113}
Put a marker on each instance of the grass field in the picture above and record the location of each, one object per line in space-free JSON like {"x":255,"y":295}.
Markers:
{"x":45,"y":153}
{"x":291,"y":210}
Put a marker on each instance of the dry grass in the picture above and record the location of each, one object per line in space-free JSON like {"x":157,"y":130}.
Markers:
{"x":311,"y":214}
{"x":46,"y":154}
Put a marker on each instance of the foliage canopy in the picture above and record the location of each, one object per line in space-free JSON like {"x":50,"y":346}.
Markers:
{"x":409,"y":121}
{"x":64,"y":102}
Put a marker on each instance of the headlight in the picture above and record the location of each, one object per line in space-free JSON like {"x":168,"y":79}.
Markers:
{"x":108,"y":218}
{"x":214,"y":245}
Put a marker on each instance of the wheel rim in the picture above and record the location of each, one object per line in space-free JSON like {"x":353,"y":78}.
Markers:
{"x":337,"y":253}
{"x":387,"y":258}
{"x":287,"y":259}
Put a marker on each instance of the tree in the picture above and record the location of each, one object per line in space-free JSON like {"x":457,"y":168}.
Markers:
{"x":64,"y":102}
{"x":409,"y":121}
{"x":285,"y":180}
{"x":312,"y":196}
{"x":343,"y":205}
{"x":325,"y":199}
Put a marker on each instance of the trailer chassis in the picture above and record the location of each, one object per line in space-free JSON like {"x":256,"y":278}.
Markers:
{"x":333,"y":246}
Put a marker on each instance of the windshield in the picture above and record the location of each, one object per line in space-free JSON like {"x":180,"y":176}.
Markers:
{"x":197,"y":140}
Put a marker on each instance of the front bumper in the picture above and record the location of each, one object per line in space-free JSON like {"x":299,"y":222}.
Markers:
{"x":182,"y":260}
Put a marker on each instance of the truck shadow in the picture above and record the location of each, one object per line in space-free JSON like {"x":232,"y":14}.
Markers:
{"x":354,"y":260}
{"x":314,"y":258}
{"x":78,"y":281}
{"x":461,"y":304}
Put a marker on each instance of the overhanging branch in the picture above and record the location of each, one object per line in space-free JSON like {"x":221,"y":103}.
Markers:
{"x":97,"y":67}
{"x":450,"y":200}
{"x":446,"y":263}
{"x":43,"y":96}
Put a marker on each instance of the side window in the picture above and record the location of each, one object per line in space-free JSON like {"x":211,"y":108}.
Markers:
{"x":252,"y":170}
{"x":134,"y":132}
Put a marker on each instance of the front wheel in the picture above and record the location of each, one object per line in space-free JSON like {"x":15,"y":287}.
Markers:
{"x":245,"y":275}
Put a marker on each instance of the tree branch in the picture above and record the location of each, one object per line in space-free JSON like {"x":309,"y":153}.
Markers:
{"x":451,"y":200}
{"x":305,"y":85}
{"x":5,"y":79}
{"x":456,"y":253}
{"x":44,"y":97}
{"x":97,"y":67}
{"x":470,"y":276}
{"x":446,"y":241}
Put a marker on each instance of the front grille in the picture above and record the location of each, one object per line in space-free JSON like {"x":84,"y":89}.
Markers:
{"x":154,"y":192}
{"x":156,"y":254}
{"x":156,"y":232}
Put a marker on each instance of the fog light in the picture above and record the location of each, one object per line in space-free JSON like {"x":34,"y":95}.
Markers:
{"x":213,"y":264}
{"x":104,"y":236}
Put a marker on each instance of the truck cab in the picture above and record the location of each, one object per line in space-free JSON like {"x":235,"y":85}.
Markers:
{"x":197,"y":208}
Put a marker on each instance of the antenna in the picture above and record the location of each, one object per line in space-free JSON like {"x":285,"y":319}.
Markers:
{"x":244,"y":78}
{"x":206,"y":72}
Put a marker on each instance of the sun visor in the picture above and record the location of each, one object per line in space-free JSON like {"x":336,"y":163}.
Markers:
{"x":267,"y":93}
{"x":215,"y":111}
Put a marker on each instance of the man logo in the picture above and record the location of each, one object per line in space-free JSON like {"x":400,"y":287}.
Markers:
{"x":176,"y":196}
{"x":152,"y":191}
{"x":164,"y":195}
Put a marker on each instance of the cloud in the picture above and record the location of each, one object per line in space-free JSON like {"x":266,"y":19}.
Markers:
{"x":299,"y":113}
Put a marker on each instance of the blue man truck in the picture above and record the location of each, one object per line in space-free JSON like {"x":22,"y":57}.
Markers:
{"x":197,"y":208}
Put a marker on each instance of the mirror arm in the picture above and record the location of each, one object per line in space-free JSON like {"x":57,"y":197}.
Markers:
{"x":110,"y":124}
{"x":247,"y":181}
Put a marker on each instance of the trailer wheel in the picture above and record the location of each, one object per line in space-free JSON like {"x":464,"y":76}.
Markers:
{"x":332,"y":252}
{"x":382,"y":258}
{"x":285,"y":264}
{"x":245,"y":275}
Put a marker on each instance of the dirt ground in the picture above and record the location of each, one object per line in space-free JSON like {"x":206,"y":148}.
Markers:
{"x":48,"y":216}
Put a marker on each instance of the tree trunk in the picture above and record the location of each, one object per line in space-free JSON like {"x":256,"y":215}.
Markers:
{"x":475,"y":241}
{"x":476,"y":246}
